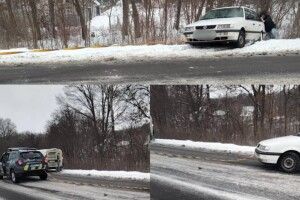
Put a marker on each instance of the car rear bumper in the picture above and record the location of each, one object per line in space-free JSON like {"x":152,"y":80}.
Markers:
{"x":267,"y":157}
{"x":52,"y":164}
{"x":205,"y":36}
{"x":28,"y":169}
{"x":31,"y":173}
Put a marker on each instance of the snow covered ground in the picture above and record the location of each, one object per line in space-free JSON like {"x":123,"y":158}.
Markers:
{"x":220,"y":147}
{"x":129,"y":54}
{"x":132,"y":175}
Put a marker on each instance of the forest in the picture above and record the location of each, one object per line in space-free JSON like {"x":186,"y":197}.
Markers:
{"x":229,"y":114}
{"x":96,"y":126}
{"x":57,"y":24}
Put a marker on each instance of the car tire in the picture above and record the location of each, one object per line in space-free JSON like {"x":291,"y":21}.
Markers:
{"x":241,"y":41}
{"x":44,"y":176}
{"x":290,"y":162}
{"x":1,"y":177}
{"x":14,"y":177}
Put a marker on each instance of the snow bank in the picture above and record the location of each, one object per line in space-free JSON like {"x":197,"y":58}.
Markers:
{"x":14,"y":50}
{"x":228,"y":148}
{"x":132,"y":175}
{"x":152,"y":52}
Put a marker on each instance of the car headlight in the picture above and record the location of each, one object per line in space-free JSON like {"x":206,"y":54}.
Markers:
{"x":190,"y":29}
{"x":263,"y":148}
{"x":224,"y":26}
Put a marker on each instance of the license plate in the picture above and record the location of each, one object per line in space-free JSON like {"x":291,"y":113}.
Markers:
{"x":35,"y":167}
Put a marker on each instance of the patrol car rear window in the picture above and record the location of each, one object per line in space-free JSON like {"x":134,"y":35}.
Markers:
{"x":31,"y":155}
{"x":224,"y":13}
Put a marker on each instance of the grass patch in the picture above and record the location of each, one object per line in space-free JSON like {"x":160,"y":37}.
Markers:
{"x":98,"y":46}
{"x":42,"y":50}
{"x":10,"y":53}
{"x":73,"y":48}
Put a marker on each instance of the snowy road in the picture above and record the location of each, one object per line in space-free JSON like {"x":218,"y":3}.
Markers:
{"x":231,"y":70}
{"x":177,"y":173}
{"x":66,"y":187}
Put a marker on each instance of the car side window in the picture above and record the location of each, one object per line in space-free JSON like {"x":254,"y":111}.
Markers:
{"x":12,"y":156}
{"x":249,"y":15}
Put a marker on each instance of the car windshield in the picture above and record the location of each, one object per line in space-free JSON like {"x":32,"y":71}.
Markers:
{"x":224,"y":13}
{"x":31,"y":155}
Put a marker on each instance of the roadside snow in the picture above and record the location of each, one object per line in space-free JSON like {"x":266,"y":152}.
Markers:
{"x":133,"y":175}
{"x":151,"y":52}
{"x":14,"y":50}
{"x":210,"y":146}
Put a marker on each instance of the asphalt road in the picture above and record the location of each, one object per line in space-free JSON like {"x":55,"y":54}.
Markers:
{"x":231,"y":70}
{"x":181,"y":173}
{"x":72,"y":187}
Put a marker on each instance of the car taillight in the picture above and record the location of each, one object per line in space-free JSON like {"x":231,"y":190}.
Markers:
{"x":20,"y":162}
{"x":45,"y":159}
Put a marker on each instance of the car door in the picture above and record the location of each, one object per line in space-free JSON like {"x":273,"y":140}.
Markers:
{"x":1,"y":166}
{"x":4,"y":162}
{"x":259,"y":25}
{"x":10,"y":161}
{"x":251,"y":25}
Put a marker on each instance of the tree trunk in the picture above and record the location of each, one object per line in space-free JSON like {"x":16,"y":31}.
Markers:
{"x":166,"y":21}
{"x":81,"y":19}
{"x":136,"y":20}
{"x":125,"y":19}
{"x":200,"y":9}
{"x":11,"y":15}
{"x":178,"y":13}
{"x":36,"y":28}
{"x":52,"y":17}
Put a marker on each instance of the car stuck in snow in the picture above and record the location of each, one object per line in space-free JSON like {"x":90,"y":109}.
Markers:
{"x":282,"y":151}
{"x":54,"y":158}
{"x":235,"y":25}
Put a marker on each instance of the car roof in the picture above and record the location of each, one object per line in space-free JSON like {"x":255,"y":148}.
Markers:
{"x":234,"y":7}
{"x":21,"y":149}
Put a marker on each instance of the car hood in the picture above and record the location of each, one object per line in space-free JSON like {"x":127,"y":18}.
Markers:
{"x":280,"y":140}
{"x":207,"y":22}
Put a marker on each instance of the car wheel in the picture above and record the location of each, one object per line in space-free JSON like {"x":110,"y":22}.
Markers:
{"x":290,"y":162}
{"x":44,"y":176}
{"x":241,"y":42}
{"x":1,"y":177}
{"x":13,"y":177}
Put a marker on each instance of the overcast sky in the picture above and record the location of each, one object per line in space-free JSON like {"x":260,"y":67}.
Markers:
{"x":29,"y":106}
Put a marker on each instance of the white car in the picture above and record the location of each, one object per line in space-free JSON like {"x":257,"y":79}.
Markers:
{"x":283,"y":151}
{"x":229,"y":24}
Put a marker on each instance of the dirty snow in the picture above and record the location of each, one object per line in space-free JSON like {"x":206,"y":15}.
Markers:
{"x":151,"y":52}
{"x":197,"y":188}
{"x":245,"y":179}
{"x":211,"y":146}
{"x":133,"y":175}
{"x":51,"y":190}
